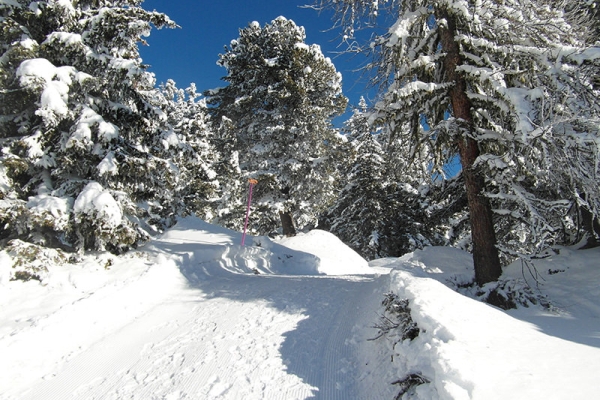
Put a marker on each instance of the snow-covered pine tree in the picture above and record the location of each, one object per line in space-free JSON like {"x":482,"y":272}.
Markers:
{"x":191,"y":148}
{"x":507,"y":85}
{"x":380,"y":212}
{"x":358,"y":216}
{"x":277,"y":107}
{"x":82,"y":131}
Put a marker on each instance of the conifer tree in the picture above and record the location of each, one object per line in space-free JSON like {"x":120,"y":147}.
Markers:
{"x":379,"y":211}
{"x":358,"y":217}
{"x":276,"y":114}
{"x":190,"y":146}
{"x":506,"y":85}
{"x":84,"y":163}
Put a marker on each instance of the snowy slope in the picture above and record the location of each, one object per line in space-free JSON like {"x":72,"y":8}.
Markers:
{"x":194,"y":315}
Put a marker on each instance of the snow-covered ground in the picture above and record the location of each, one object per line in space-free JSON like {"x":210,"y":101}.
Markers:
{"x":194,"y":315}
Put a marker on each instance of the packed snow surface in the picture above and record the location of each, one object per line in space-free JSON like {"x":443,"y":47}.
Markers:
{"x":195,"y":315}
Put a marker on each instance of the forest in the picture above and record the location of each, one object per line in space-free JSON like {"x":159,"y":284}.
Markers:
{"x":97,"y":157}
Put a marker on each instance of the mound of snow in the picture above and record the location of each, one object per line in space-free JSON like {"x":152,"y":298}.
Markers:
{"x":335,"y":258}
{"x":212,"y":250}
{"x":470,"y":350}
{"x":439,"y":263}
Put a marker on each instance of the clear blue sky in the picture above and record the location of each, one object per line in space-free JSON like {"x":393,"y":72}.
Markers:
{"x":190,"y":54}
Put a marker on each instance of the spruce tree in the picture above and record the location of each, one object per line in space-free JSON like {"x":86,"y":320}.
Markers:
{"x":190,"y":146}
{"x":358,"y":217}
{"x":381,"y":209}
{"x":83,"y":135}
{"x":276,"y":113}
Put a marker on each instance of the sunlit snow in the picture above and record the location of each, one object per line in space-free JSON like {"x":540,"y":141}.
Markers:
{"x":195,"y":315}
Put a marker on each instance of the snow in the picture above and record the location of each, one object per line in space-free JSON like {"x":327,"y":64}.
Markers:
{"x":66,"y":38}
{"x":56,"y":208}
{"x":335,"y":258}
{"x":108,"y":165}
{"x":195,"y":315}
{"x":108,"y":131}
{"x":95,"y":201}
{"x":55,"y":92}
{"x":5,"y":182}
{"x":474,"y":351}
{"x":82,"y":136}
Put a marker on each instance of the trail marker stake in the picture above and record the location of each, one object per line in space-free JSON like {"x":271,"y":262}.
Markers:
{"x":252,"y":182}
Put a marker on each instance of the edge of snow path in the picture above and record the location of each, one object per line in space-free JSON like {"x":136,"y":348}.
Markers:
{"x":467,"y":360}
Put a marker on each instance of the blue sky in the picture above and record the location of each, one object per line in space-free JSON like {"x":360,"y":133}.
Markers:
{"x":190,"y":54}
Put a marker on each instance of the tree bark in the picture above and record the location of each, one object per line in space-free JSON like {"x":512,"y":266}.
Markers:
{"x":287,"y":223}
{"x":590,"y":225}
{"x":485,"y":254}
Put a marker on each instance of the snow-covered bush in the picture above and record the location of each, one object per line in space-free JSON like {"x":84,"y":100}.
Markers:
{"x":396,"y":323}
{"x":99,"y":221}
{"x":30,"y":261}
{"x":506,"y":293}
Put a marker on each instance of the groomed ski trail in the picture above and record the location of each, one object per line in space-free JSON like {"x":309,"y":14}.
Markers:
{"x":228,"y":335}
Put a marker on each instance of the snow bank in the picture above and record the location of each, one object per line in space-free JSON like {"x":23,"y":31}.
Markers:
{"x":471,"y":350}
{"x":215,"y":251}
{"x":440,"y":263}
{"x":335,"y":258}
{"x":313,"y":253}
{"x":42,"y":327}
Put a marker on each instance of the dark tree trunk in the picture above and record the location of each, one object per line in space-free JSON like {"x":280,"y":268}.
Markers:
{"x":590,"y":225}
{"x":485,"y":254}
{"x":287,"y":224}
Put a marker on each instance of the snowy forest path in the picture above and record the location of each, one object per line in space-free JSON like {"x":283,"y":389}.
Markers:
{"x":232,"y":336}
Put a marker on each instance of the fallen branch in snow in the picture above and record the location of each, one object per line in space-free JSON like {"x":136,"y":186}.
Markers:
{"x":408,"y":382}
{"x":399,"y":320}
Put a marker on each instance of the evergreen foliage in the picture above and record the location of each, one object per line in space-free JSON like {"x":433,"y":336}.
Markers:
{"x":84,"y":163}
{"x":359,"y":215}
{"x":508,"y":86}
{"x":378,"y":213}
{"x":191,"y":148}
{"x":275,"y":116}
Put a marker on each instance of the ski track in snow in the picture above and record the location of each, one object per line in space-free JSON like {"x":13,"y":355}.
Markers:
{"x":187,"y":318}
{"x":247,"y":337}
{"x":225,"y":336}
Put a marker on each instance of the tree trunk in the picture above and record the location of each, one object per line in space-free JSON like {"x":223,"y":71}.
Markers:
{"x":485,"y":254}
{"x":287,"y":224}
{"x":590,"y":225}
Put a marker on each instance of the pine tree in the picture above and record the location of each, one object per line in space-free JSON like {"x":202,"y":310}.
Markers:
{"x":276,"y":112}
{"x":506,"y":85}
{"x":190,"y":146}
{"x":84,"y":163}
{"x":379,"y":212}
{"x":358,"y":217}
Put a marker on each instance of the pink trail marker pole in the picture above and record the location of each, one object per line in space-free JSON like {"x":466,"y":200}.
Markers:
{"x":252,"y":183}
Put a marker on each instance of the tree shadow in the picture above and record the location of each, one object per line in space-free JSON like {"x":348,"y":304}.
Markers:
{"x":322,"y":349}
